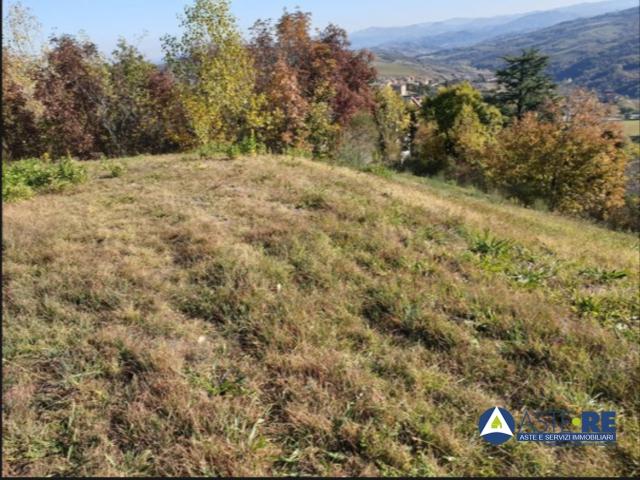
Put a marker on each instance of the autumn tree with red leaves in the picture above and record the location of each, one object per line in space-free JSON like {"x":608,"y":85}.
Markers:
{"x":313,"y":86}
{"x":73,"y":91}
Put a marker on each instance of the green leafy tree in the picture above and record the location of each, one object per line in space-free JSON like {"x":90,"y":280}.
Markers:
{"x":216,"y":73}
{"x":358,"y":142}
{"x":459,"y":127}
{"x":323,"y":131}
{"x":144,"y":109}
{"x":129,"y":115}
{"x":524,"y":83}
{"x":393,"y":121}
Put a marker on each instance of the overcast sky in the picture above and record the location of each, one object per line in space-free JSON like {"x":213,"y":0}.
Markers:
{"x":105,"y":20}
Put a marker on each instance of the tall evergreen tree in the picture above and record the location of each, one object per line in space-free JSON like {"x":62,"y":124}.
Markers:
{"x":524,"y":83}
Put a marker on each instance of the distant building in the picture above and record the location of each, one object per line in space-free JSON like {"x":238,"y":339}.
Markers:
{"x":401,"y":88}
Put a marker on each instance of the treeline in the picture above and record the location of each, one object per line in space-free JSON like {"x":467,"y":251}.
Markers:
{"x":289,"y":90}
{"x":558,"y":153}
{"x":285,"y":90}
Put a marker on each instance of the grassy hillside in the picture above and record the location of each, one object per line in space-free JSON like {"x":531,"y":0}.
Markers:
{"x":398,"y":69}
{"x":394,"y":67}
{"x":600,"y":53}
{"x":280,"y":316}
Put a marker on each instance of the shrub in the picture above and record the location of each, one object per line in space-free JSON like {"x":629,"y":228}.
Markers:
{"x":233,"y":151}
{"x":250,"y":146}
{"x":114,"y":169}
{"x":358,"y":141}
{"x":486,"y":244}
{"x":379,"y":170}
{"x":297,"y":152}
{"x":24,"y":178}
{"x":12,"y":191}
{"x":212,"y":149}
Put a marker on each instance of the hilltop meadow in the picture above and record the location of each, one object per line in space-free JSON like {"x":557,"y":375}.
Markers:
{"x":188,"y":315}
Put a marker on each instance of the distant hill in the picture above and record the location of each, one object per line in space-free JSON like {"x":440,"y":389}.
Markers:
{"x":601,"y":53}
{"x":394,"y":66}
{"x":380,"y":36}
{"x":429,"y":37}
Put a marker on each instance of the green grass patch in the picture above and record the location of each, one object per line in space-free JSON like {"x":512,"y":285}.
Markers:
{"x":25,"y":178}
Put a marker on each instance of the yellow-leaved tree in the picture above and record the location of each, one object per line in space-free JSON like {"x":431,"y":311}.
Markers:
{"x":393,"y":121}
{"x":216,"y":74}
{"x":570,"y":156}
{"x":459,"y":127}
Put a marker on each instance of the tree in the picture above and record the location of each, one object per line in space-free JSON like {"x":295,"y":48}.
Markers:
{"x":73,"y":91}
{"x":460,"y":126}
{"x":524,"y":83}
{"x":215,"y":72}
{"x":288,"y":109}
{"x":170,"y":116}
{"x":392,"y":120}
{"x":144,"y":109}
{"x":21,"y":29}
{"x":350,"y":74}
{"x":446,"y":107}
{"x":130,"y":103}
{"x":313,"y":86}
{"x":323,"y":131}
{"x":570,"y":156}
{"x":21,"y":111}
{"x":264,"y":52}
{"x":295,"y":45}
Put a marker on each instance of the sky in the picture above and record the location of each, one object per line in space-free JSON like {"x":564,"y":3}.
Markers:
{"x":143,"y":22}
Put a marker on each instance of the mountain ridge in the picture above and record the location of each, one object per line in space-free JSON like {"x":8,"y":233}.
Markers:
{"x":432,"y":36}
{"x":580,"y":51}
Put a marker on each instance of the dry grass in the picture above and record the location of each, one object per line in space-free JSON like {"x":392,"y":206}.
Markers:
{"x":271,"y":316}
{"x":632,"y":129}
